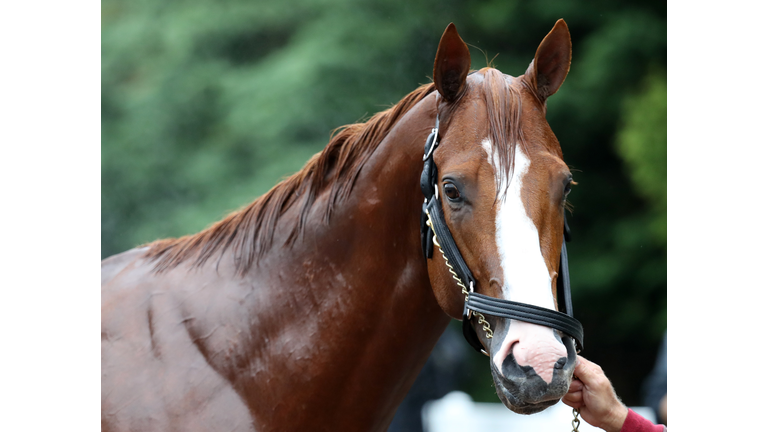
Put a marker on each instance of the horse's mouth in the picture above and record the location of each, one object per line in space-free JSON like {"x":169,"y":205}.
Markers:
{"x":535,"y":408}
{"x":519,"y":407}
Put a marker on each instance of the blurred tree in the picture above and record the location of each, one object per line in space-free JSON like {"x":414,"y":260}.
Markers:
{"x":642,"y":143}
{"x":206,"y":105}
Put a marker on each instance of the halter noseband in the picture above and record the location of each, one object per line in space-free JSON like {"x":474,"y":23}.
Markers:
{"x":434,"y":231}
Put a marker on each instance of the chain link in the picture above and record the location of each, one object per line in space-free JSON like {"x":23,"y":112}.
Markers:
{"x":486,"y":326}
{"x":575,"y":422}
{"x":480,"y":317}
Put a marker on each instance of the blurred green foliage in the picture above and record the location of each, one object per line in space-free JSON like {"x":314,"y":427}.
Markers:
{"x":642,"y":143}
{"x":206,"y":105}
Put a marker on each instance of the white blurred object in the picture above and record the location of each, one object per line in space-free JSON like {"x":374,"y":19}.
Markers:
{"x":457,"y":412}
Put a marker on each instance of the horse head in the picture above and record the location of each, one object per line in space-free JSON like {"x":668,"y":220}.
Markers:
{"x":502,"y":184}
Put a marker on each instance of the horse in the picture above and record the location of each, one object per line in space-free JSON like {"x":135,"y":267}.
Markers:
{"x":314,"y":307}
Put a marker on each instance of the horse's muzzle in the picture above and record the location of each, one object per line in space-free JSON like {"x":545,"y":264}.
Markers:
{"x":523,"y":391}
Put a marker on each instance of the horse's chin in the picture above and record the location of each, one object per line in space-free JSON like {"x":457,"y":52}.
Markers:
{"x":520,"y":407}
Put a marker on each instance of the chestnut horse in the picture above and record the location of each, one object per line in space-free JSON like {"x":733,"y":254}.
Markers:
{"x":314,"y":308}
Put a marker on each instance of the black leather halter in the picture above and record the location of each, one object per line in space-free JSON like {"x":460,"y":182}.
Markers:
{"x":478,"y":302}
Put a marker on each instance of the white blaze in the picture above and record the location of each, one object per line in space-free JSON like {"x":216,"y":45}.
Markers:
{"x":526,"y":277}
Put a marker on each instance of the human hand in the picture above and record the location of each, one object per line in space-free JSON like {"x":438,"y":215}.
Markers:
{"x":592,"y":393}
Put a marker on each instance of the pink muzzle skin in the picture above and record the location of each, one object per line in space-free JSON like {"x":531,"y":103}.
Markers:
{"x":531,"y":345}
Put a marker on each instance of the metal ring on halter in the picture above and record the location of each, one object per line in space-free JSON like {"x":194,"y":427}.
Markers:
{"x":434,"y":138}
{"x":431,"y":147}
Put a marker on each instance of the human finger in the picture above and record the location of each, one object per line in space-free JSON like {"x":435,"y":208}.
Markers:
{"x":574,"y":400}
{"x":576,"y":385}
{"x":586,"y":371}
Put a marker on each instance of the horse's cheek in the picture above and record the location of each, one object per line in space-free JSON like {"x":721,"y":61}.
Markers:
{"x":447,"y":293}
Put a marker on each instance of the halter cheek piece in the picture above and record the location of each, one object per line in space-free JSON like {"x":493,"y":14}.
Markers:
{"x":434,"y":231}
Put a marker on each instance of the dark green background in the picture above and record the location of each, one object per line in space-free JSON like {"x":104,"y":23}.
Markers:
{"x":206,"y":105}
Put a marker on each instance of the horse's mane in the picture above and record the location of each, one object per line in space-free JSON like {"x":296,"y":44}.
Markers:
{"x":249,"y":231}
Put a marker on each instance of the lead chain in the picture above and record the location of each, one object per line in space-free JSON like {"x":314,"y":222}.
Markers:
{"x":575,"y":422}
{"x":480,"y":317}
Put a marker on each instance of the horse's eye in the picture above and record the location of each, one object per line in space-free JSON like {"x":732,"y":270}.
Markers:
{"x":451,"y":191}
{"x":568,"y":183}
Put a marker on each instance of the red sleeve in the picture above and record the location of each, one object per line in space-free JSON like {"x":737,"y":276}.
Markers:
{"x":637,"y":423}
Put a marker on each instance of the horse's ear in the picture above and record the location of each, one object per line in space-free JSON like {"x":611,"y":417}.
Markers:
{"x":451,"y":64}
{"x":548,"y":69}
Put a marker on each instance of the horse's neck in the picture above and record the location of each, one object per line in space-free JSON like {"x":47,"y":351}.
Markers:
{"x":348,"y":310}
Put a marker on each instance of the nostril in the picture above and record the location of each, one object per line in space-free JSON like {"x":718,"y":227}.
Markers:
{"x":560,"y":363}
